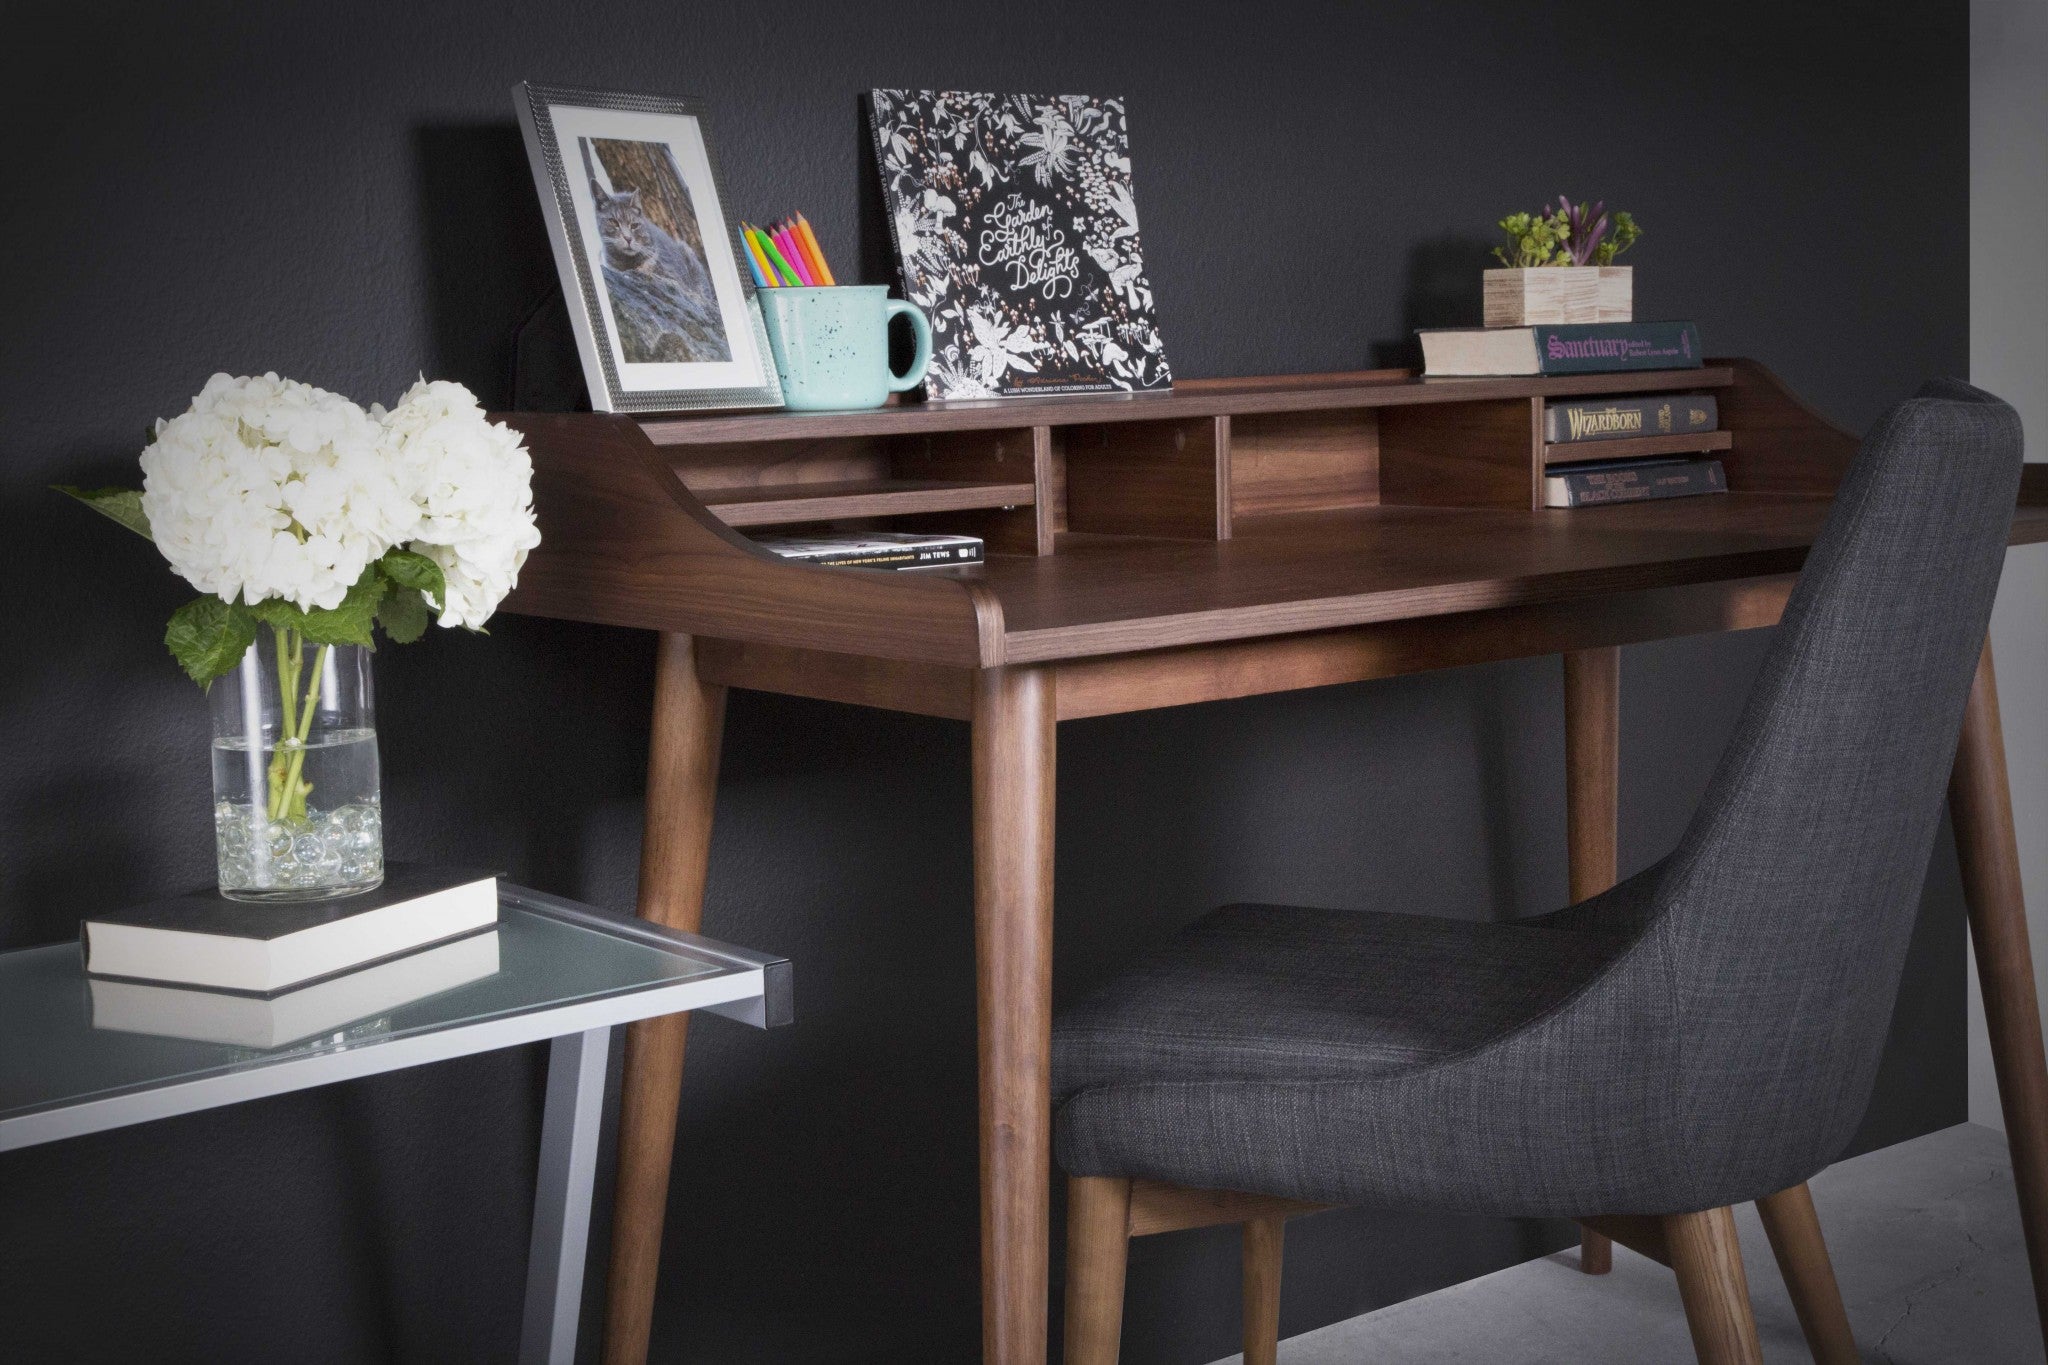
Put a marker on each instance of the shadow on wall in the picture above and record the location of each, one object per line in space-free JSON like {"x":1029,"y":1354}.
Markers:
{"x":488,"y":263}
{"x":107,"y":798}
{"x":1444,"y":289}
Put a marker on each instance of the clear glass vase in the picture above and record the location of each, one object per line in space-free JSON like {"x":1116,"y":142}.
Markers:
{"x":295,"y":808}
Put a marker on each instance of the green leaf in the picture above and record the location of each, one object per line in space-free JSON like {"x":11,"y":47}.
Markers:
{"x":348,"y":623}
{"x":208,"y":637}
{"x":122,"y":504}
{"x":410,"y":569}
{"x":404,"y":616}
{"x":278,"y":614}
{"x":351,"y":622}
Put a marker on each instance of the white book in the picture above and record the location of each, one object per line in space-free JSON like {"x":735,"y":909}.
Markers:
{"x":205,"y":939}
{"x":272,"y":1021}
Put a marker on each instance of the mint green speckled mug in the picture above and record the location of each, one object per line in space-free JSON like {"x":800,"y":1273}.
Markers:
{"x":831,"y":345}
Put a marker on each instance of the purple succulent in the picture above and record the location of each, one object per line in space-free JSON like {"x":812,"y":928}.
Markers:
{"x":1588,"y":227}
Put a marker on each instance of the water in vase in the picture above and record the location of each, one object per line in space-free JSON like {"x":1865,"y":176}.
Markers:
{"x":294,"y":819}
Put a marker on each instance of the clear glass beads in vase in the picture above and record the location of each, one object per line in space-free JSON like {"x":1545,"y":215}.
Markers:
{"x":295,"y":777}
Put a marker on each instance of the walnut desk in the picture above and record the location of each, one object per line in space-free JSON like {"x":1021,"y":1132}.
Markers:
{"x":1230,"y":538}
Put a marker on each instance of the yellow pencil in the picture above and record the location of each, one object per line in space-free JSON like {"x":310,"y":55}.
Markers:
{"x":760,"y":261}
{"x":810,"y":241}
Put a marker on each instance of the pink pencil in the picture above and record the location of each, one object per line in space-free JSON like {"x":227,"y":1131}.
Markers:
{"x":796,"y":258}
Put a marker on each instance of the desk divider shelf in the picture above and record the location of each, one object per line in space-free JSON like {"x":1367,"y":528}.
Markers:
{"x":637,"y":515}
{"x":1637,"y":447}
{"x":1188,"y":465}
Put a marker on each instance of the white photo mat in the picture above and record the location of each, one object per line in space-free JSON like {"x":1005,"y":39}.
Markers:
{"x":647,"y":362}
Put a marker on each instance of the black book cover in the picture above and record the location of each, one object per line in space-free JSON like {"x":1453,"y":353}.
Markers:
{"x":208,"y":912}
{"x":1017,"y":233}
{"x":1604,"y":419}
{"x":1595,"y":484}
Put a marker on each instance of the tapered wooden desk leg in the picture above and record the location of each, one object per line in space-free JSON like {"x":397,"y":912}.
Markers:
{"x":1981,"y":807}
{"x":1592,"y":785}
{"x":1014,"y":730}
{"x":682,"y":783}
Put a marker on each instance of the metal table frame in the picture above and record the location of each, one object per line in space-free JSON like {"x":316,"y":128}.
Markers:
{"x":751,"y":987}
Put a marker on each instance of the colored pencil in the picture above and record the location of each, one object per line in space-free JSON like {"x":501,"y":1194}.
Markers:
{"x":759,"y":246}
{"x":810,"y":240}
{"x":796,"y":256}
{"x":793,"y":247}
{"x":774,"y":253}
{"x":810,"y":250}
{"x":755,"y":262}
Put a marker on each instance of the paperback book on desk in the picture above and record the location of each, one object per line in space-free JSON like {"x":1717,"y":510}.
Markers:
{"x":204,"y":939}
{"x":876,"y":549}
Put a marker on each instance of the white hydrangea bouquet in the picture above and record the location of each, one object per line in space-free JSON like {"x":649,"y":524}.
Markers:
{"x":295,"y":509}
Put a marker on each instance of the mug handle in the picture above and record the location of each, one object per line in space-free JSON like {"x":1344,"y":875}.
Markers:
{"x":923,"y":359}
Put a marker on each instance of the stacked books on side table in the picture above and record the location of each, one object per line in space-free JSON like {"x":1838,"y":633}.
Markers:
{"x":1648,"y":438}
{"x":258,"y":975}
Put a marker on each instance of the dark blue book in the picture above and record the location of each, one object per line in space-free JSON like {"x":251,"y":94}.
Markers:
{"x":1560,"y":348}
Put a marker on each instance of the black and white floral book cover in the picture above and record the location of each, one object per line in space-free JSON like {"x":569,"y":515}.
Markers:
{"x":1017,"y":233}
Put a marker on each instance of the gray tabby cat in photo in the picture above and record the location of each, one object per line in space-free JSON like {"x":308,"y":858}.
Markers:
{"x":663,"y":302}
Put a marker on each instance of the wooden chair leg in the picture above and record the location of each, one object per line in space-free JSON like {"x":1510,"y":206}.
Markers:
{"x":1592,"y":786}
{"x":1263,"y":1245}
{"x":1708,"y":1261}
{"x":1098,"y":1247}
{"x":1987,"y":850}
{"x":1794,"y":1230}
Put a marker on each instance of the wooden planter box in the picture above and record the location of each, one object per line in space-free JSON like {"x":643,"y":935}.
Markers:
{"x":1567,"y":293}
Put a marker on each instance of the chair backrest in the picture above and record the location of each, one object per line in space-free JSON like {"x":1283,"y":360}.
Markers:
{"x":1788,"y":906}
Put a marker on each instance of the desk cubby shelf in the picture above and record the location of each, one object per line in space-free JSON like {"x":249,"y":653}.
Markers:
{"x":1190,"y":464}
{"x":1221,"y":509}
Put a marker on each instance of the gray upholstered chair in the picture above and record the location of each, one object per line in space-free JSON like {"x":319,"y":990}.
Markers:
{"x":1704,"y":1034}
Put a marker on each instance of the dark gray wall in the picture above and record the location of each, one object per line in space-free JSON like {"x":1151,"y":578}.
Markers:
{"x":337,"y":192}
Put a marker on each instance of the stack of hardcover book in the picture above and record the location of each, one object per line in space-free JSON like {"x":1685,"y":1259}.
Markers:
{"x":1649,"y":457}
{"x":1625,"y":425}
{"x":257,"y":975}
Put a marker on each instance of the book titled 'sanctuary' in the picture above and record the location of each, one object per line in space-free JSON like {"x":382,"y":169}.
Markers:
{"x":1593,"y":483}
{"x":1561,"y":348}
{"x":1609,"y":419}
{"x":205,"y":939}
{"x":1017,"y":232}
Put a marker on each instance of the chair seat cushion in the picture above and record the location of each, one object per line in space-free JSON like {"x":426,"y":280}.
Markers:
{"x":1282,"y":993}
{"x":1401,"y":1060}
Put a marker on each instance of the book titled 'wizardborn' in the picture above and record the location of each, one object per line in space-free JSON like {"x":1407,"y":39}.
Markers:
{"x":1017,"y":234}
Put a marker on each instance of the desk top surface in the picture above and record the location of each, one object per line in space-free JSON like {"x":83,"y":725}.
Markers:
{"x":1321,"y":570}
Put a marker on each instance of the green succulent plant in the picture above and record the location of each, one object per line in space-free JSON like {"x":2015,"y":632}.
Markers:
{"x":1566,"y":234}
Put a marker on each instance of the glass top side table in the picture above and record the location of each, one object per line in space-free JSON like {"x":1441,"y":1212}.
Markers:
{"x":84,"y":1054}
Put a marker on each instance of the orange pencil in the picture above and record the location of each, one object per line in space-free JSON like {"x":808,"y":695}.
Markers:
{"x":810,"y":242}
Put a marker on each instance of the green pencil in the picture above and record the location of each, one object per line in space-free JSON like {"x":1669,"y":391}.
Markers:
{"x":791,"y":278}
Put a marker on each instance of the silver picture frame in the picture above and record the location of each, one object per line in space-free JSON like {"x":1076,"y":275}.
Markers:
{"x":619,"y":382}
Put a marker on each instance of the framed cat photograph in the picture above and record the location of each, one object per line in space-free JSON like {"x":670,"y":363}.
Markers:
{"x":664,"y":315}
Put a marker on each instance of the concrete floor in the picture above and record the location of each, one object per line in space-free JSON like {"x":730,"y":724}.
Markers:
{"x":1925,"y":1240}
